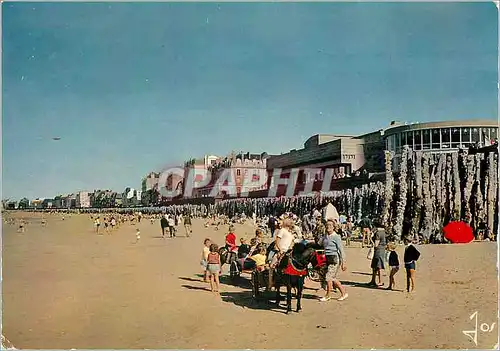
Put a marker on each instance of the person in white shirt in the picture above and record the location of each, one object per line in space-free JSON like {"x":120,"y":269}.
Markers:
{"x":330,"y":213}
{"x":171,"y":225}
{"x":283,"y":243}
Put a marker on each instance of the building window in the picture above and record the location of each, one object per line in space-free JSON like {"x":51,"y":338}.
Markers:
{"x":435,"y":139}
{"x":475,"y":135}
{"x":493,"y":134}
{"x":445,"y":138}
{"x":398,"y":141}
{"x":455,"y":138}
{"x":466,"y":141}
{"x":403,"y":139}
{"x":426,"y":139}
{"x":418,"y":140}
{"x":390,"y":142}
{"x":321,"y":175}
{"x":409,"y":138}
{"x":238,"y":172}
{"x":486,"y":135}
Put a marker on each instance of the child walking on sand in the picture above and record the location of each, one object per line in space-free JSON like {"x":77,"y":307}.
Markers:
{"x":137,"y":235}
{"x":411,"y":256}
{"x":204,"y":258}
{"x":393,"y":264}
{"x":213,"y":267}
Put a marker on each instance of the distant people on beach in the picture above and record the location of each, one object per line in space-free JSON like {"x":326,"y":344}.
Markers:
{"x":171,"y":225}
{"x":164,"y":225}
{"x":366,"y":228}
{"x":97,"y":224}
{"x":22,"y":226}
{"x":187,"y":224}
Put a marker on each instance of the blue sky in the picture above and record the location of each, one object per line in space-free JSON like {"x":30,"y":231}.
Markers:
{"x":132,"y":87}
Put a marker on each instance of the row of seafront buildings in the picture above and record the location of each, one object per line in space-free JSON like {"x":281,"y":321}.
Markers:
{"x":82,"y":199}
{"x":348,"y":157}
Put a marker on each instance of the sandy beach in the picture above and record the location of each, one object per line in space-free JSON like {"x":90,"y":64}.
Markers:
{"x":66,"y":287}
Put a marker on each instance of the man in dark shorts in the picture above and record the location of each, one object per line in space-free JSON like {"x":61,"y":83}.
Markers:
{"x":378,"y":256}
{"x":164,"y":225}
{"x":366,"y":228}
{"x":187,"y":224}
{"x":272,"y":225}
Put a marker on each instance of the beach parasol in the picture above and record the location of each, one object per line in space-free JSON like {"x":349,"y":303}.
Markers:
{"x":458,"y":232}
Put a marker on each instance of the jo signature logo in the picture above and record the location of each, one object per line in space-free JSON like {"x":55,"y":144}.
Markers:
{"x":484,"y":327}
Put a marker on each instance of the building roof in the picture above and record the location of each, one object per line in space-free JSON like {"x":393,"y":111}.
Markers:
{"x":318,"y":139}
{"x":488,"y":123}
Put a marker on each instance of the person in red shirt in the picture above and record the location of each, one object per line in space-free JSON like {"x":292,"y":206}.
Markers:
{"x":231,"y":240}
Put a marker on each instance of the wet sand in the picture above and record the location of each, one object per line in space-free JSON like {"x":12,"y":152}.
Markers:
{"x":66,"y":287}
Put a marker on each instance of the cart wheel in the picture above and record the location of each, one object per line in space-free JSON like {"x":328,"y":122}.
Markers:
{"x":314,"y":275}
{"x":255,"y":285}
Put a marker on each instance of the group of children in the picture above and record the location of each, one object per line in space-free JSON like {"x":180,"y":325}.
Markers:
{"x":210,"y":262}
{"x":250,"y":256}
{"x":411,"y":256}
{"x":110,"y":223}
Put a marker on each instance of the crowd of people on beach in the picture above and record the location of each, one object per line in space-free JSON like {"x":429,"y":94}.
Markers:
{"x":322,"y":225}
{"x":326,"y":228}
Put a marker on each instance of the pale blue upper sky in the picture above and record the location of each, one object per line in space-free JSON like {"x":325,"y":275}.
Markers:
{"x":132,"y":87}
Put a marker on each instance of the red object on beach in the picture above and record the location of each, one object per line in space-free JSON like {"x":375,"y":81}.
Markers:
{"x":458,"y":232}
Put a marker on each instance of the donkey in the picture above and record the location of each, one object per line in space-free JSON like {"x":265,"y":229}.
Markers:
{"x":291,"y":272}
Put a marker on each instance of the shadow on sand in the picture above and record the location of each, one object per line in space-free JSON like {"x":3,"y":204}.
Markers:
{"x":266,"y":300}
{"x":190,"y":287}
{"x":240,"y":282}
{"x":362,"y":273}
{"x":223,"y":280}
{"x":188,"y":279}
{"x":362,"y":285}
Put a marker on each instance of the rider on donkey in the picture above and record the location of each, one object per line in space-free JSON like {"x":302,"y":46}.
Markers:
{"x":282,"y":244}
